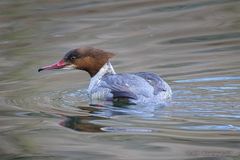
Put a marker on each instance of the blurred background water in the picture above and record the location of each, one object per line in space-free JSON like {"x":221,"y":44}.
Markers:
{"x":194,"y":45}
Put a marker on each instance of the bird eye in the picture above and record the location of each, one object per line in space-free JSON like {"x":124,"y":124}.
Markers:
{"x":73,"y":58}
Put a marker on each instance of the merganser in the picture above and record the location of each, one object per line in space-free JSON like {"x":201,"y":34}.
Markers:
{"x":107,"y":85}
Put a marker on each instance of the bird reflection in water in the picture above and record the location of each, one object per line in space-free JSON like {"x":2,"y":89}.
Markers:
{"x":104,"y":112}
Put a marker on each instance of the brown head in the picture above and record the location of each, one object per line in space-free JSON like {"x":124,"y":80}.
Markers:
{"x":85,"y":58}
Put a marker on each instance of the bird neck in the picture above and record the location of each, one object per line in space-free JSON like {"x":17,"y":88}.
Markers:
{"x":107,"y":68}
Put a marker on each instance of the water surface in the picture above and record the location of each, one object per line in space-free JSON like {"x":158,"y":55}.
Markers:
{"x":193,"y":45}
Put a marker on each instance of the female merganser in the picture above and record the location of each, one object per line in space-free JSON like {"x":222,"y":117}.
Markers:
{"x":107,"y":85}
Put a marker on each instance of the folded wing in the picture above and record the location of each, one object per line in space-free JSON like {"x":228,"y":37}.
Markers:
{"x":127,"y":86}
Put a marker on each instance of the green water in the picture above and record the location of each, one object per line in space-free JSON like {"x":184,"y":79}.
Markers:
{"x":193,"y":45}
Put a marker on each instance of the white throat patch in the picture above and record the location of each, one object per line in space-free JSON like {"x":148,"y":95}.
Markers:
{"x":107,"y":68}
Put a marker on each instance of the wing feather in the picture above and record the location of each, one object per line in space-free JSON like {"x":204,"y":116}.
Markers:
{"x":126,"y":85}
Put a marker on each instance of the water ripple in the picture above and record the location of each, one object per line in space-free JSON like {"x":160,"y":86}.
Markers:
{"x":204,"y":38}
{"x":213,"y":128}
{"x":209,"y":79}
